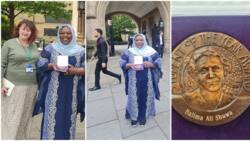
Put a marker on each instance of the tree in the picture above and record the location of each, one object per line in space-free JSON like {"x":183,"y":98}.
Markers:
{"x":4,"y":28}
{"x":122,"y":24}
{"x":11,"y":9}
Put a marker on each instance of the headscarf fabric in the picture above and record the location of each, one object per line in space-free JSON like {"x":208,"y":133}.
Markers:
{"x":69,"y":49}
{"x":145,"y":50}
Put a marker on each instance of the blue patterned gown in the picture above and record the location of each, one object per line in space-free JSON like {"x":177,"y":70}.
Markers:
{"x":60,"y":96}
{"x":141,"y":87}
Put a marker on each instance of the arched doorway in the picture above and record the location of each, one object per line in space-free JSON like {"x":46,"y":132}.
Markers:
{"x":97,"y":11}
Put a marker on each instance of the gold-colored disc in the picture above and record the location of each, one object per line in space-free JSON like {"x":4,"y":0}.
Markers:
{"x":210,"y":78}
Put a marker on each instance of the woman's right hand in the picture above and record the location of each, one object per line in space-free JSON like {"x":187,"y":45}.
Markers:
{"x":129,"y":65}
{"x":56,"y":68}
{"x":53,"y":66}
{"x":4,"y":90}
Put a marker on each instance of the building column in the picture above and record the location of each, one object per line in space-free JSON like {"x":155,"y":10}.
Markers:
{"x":74,"y":21}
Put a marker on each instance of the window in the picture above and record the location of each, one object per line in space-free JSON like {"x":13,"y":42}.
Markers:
{"x":50,"y":31}
{"x":49,"y":19}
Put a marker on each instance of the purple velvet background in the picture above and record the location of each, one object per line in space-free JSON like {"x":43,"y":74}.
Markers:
{"x":235,"y":26}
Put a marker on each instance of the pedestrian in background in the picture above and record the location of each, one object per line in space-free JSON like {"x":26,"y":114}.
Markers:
{"x":101,"y":64}
{"x":130,"y":41}
{"x":159,"y":43}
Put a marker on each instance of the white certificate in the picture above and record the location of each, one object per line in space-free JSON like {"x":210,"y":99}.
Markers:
{"x":138,"y":59}
{"x":62,"y":61}
{"x":9,"y":85}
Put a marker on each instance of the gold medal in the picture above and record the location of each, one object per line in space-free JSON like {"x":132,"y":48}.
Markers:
{"x":210,"y":78}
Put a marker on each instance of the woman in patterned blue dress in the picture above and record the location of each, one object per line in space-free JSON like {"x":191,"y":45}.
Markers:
{"x":61,"y":94}
{"x":141,"y":81}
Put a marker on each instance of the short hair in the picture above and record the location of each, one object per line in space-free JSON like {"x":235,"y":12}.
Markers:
{"x":32,"y":28}
{"x":99,"y":30}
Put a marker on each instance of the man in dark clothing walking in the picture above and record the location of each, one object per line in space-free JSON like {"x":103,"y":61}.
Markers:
{"x":130,"y":41}
{"x":101,"y":65}
{"x":159,"y":43}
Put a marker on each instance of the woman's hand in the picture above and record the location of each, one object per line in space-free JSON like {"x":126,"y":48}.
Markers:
{"x":72,"y":70}
{"x":148,"y":64}
{"x":129,"y":65}
{"x":52,"y":66}
{"x":55,"y":67}
{"x":4,"y":90}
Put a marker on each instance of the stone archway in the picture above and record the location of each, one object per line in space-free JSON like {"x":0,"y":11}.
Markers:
{"x":164,"y":8}
{"x":98,"y":10}
{"x":133,"y":17}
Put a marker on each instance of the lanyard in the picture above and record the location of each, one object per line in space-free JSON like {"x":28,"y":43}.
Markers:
{"x":27,"y":50}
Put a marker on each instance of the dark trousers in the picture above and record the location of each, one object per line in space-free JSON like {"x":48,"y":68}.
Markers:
{"x":99,"y":68}
{"x":160,"y":50}
{"x":129,"y":45}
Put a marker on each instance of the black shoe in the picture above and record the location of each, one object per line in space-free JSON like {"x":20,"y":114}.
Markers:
{"x":142,"y":123}
{"x":120,"y":79}
{"x":133,"y":123}
{"x":94,"y":88}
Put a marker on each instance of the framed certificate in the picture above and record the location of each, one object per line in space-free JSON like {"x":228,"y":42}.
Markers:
{"x":62,"y":63}
{"x":138,"y":63}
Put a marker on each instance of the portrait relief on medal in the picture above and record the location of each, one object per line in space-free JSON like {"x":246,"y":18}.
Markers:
{"x":210,"y":78}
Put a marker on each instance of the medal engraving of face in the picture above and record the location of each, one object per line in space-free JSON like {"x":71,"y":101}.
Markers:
{"x":210,"y":78}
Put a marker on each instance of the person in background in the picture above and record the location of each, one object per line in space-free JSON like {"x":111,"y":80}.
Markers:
{"x":159,"y":43}
{"x":130,"y":41}
{"x":101,"y":64}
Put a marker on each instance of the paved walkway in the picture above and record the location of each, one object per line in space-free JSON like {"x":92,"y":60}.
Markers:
{"x":105,"y":107}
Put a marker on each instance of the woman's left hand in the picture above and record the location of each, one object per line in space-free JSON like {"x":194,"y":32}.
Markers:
{"x":148,"y":64}
{"x":72,"y":70}
{"x":4,"y":90}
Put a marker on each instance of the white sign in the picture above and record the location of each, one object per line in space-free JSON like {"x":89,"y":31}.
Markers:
{"x":138,"y":59}
{"x":62,"y":61}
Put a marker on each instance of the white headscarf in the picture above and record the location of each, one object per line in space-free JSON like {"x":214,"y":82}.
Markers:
{"x":143,"y":51}
{"x":71,"y":48}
